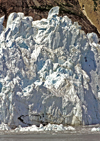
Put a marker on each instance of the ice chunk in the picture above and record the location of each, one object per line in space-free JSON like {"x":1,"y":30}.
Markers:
{"x":93,"y":37}
{"x":49,"y":127}
{"x":4,"y":127}
{"x":1,"y":23}
{"x":11,"y":18}
{"x":95,"y":129}
{"x":70,"y":128}
{"x":2,"y":19}
{"x":53,"y":11}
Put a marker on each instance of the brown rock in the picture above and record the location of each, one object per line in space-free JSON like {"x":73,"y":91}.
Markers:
{"x":91,"y":9}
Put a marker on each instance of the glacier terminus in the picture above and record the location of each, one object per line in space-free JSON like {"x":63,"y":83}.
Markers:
{"x":49,"y":72}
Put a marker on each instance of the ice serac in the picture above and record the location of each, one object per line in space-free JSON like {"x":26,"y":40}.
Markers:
{"x":1,"y":22}
{"x":49,"y":72}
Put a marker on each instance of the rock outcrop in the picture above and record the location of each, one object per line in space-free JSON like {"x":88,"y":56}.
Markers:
{"x":49,"y":72}
{"x":38,"y":9}
{"x":91,"y":8}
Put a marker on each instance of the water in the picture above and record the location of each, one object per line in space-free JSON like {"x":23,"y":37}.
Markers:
{"x":50,"y":137}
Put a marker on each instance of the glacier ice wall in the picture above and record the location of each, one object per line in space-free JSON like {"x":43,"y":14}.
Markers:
{"x":49,"y":72}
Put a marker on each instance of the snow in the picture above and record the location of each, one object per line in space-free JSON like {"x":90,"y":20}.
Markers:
{"x":49,"y":73}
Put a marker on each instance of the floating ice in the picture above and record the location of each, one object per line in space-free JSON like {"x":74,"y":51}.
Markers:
{"x":49,"y":127}
{"x":4,"y":127}
{"x":49,"y":73}
{"x":95,"y":129}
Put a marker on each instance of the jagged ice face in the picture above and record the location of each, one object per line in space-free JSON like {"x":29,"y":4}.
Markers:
{"x":49,"y":72}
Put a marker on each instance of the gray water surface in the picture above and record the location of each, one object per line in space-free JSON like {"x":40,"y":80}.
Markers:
{"x":51,"y":137}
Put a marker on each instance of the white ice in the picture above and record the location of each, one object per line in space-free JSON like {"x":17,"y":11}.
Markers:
{"x":49,"y":73}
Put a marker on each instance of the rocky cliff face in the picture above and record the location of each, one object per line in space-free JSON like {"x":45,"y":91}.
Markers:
{"x":49,"y":72}
{"x":91,"y":8}
{"x":38,"y":9}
